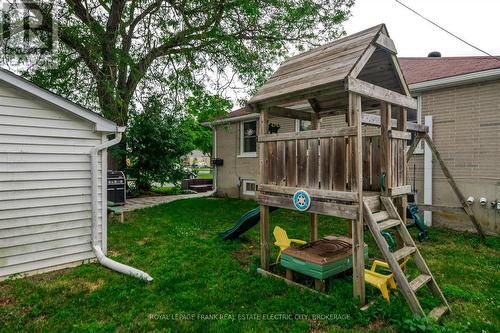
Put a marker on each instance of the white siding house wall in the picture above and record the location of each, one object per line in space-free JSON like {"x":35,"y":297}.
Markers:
{"x":45,"y":185}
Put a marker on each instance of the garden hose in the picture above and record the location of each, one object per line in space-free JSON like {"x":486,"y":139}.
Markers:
{"x":382,"y":180}
{"x":390,"y":240}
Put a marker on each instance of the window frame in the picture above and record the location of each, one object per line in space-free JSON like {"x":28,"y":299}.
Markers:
{"x":242,"y":139}
{"x":244,"y":184}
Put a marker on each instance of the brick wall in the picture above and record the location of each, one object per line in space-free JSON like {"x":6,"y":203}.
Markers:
{"x":236,"y":169}
{"x":466,"y":131}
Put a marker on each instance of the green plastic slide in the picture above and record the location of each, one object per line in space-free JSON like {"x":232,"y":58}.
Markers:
{"x":247,"y":221}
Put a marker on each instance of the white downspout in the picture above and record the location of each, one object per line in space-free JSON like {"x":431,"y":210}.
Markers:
{"x":103,"y":260}
{"x":215,"y":156}
{"x":428,"y":174}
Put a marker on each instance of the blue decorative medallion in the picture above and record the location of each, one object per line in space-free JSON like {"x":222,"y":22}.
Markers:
{"x":301,"y":200}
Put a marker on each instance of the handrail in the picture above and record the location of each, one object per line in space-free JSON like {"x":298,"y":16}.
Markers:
{"x":313,"y":134}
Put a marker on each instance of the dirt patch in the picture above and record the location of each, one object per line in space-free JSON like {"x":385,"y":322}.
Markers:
{"x":376,"y":326}
{"x":93,"y":285}
{"x":113,"y":253}
{"x":143,"y":241}
{"x":244,"y":256}
{"x":204,"y":235}
{"x":77,"y":284}
{"x":6,"y":300}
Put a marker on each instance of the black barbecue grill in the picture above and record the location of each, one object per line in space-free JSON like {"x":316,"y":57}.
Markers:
{"x":116,"y":187}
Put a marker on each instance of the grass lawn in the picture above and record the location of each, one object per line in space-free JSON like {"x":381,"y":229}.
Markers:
{"x":204,"y":173}
{"x":197,"y":274}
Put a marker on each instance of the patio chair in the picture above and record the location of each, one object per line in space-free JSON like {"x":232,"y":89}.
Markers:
{"x":283,"y":242}
{"x":379,"y":280}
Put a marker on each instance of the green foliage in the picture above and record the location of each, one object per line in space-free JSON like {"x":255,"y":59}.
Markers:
{"x":204,"y":107}
{"x":415,"y":324}
{"x":165,"y":190}
{"x":156,"y":141}
{"x":112,"y":55}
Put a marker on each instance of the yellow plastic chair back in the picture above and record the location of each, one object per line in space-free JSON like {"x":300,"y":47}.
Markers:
{"x":283,"y":242}
{"x":379,"y":280}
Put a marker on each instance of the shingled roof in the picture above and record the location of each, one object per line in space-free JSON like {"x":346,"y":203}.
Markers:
{"x":327,"y":66}
{"x":417,"y":69}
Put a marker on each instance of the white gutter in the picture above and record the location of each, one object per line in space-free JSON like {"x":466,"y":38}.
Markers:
{"x":103,"y":260}
{"x":468,"y":78}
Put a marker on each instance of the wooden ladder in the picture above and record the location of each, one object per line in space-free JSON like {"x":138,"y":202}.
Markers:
{"x":389,"y":218}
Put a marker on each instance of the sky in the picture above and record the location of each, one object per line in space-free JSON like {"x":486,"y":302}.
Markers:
{"x":475,"y":21}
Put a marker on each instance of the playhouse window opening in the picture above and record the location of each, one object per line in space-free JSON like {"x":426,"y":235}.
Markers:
{"x":302,"y":125}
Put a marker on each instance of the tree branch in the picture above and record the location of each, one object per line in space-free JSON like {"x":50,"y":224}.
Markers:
{"x":64,"y":35}
{"x":84,"y":15}
{"x":174,"y":45}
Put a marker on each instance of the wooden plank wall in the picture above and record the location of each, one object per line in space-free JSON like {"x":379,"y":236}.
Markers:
{"x":398,"y":162}
{"x":309,"y":163}
{"x":371,"y":163}
{"x":321,"y":163}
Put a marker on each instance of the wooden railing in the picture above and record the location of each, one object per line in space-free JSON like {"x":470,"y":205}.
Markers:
{"x":398,"y":140}
{"x":311,"y":159}
{"x":371,"y":163}
{"x":319,"y":160}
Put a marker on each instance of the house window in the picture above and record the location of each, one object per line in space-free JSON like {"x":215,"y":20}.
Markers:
{"x":249,"y":187}
{"x":415,"y":116}
{"x":248,"y":144}
{"x":302,"y":125}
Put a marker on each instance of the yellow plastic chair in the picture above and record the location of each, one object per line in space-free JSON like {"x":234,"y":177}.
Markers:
{"x":379,"y":280}
{"x":283,"y":242}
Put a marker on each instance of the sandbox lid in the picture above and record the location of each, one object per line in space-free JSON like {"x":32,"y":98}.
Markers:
{"x":323,"y":251}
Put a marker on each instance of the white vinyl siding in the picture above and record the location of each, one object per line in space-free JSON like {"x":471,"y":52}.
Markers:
{"x":45,"y":185}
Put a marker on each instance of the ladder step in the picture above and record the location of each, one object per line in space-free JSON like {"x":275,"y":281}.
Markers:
{"x":388,"y":224}
{"x":419,"y":281}
{"x":403,"y":252}
{"x":380,"y":216}
{"x":438,"y":311}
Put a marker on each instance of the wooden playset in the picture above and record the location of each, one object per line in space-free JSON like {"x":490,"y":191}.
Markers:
{"x":358,"y":171}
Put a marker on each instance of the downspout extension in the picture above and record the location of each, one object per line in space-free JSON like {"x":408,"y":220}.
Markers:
{"x":103,"y":260}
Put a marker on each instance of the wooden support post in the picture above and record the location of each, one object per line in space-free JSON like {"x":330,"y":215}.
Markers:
{"x":314,"y":227}
{"x":289,"y":274}
{"x":403,"y":199}
{"x":358,"y":260}
{"x":320,"y":285}
{"x":263,"y":117}
{"x":468,"y":210}
{"x":314,"y":217}
{"x":385,"y":146}
{"x":264,"y":210}
{"x":264,"y":237}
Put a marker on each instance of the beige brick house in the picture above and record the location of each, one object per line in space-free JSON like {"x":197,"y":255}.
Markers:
{"x":459,"y":99}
